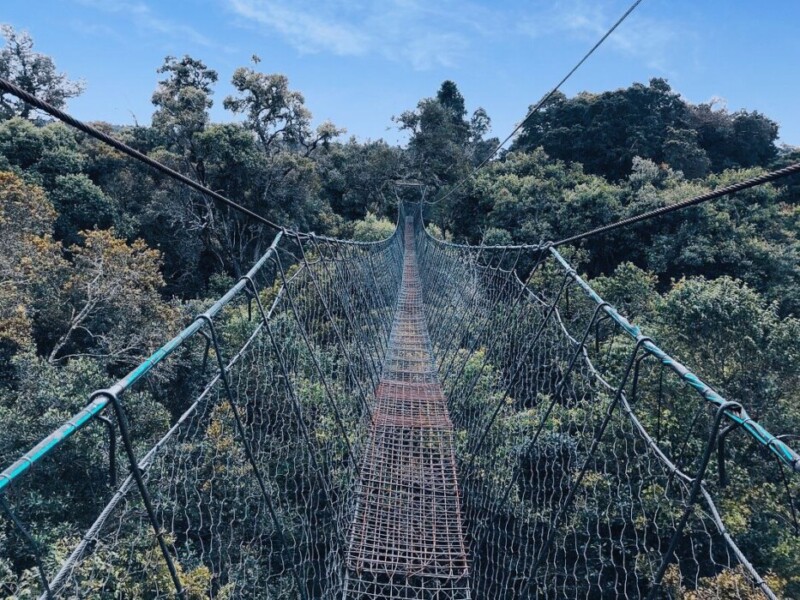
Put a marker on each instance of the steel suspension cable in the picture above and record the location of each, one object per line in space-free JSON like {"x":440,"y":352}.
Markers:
{"x":10,"y":88}
{"x":712,"y":195}
{"x":538,"y":105}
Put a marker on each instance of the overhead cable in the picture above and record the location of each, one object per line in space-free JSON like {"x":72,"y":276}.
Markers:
{"x":712,"y":195}
{"x":538,"y":105}
{"x":10,"y":88}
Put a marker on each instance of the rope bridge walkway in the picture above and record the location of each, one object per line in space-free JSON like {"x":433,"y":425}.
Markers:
{"x":409,"y":418}
{"x":407,"y":539}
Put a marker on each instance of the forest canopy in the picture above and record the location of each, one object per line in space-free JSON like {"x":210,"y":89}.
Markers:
{"x":90,"y":236}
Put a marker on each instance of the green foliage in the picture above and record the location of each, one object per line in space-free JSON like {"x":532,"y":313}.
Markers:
{"x":729,"y":584}
{"x":355,"y":175}
{"x":81,"y":205}
{"x":443,"y":144}
{"x":95,"y":247}
{"x":630,"y":289}
{"x":372,"y":229}
{"x":21,"y":142}
{"x":605,"y":132}
{"x":495,"y":236}
{"x":745,"y":348}
{"x":683,"y":154}
{"x":33,"y":72}
{"x":434,"y":230}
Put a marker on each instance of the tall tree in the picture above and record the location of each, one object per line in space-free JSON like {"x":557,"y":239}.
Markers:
{"x":444,"y":145}
{"x":182,"y":102}
{"x":287,"y":186}
{"x":276,"y":113}
{"x":33,"y":72}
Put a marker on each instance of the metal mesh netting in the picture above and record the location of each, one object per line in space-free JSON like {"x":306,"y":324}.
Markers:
{"x":248,"y":493}
{"x":401,"y":419}
{"x":583,"y":449}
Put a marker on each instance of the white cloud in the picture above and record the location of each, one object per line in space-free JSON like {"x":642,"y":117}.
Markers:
{"x":307,"y":31}
{"x":98,"y":29}
{"x":422,"y":34}
{"x":144,"y":18}
{"x":443,"y":33}
{"x":644,"y":38}
{"x":431,"y":50}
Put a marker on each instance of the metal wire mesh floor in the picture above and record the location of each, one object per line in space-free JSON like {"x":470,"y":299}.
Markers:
{"x":406,"y":539}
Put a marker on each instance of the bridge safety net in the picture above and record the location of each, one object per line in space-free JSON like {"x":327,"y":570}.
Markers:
{"x":409,"y":418}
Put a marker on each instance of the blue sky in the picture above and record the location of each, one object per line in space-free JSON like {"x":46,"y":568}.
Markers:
{"x":358,"y":62}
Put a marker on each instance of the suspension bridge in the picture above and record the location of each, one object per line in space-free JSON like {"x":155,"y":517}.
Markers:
{"x":409,"y":418}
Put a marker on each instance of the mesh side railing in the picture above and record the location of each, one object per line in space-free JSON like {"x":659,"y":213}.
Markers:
{"x":589,"y":459}
{"x":301,"y":440}
{"x":243,"y":487}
